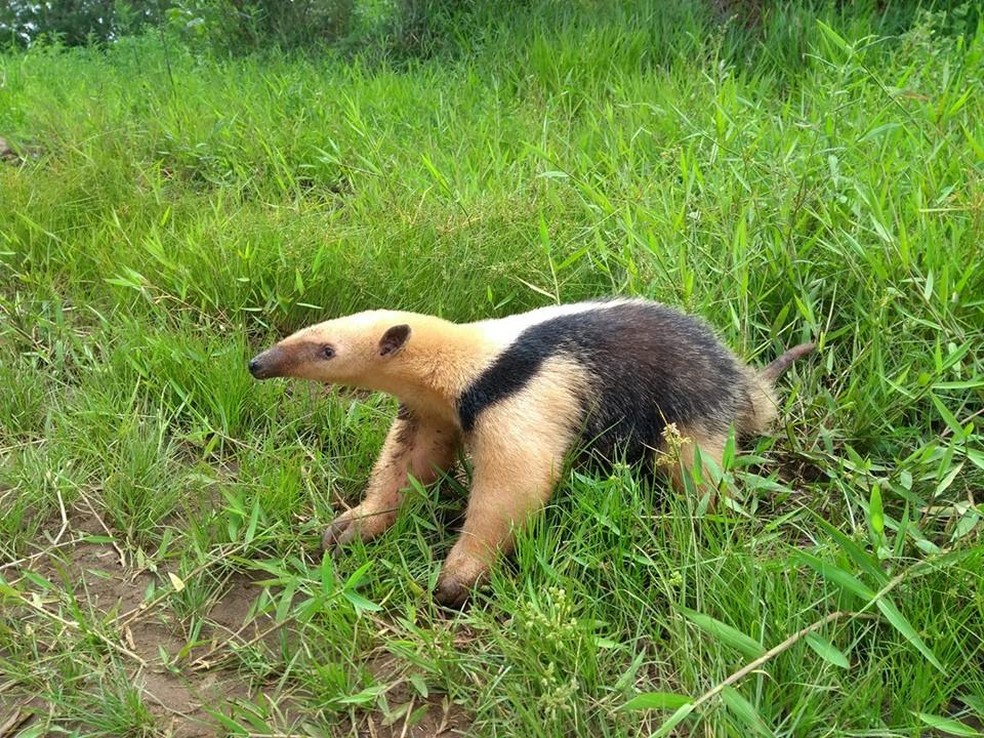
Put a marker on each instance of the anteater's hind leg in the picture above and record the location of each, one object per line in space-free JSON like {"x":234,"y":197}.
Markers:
{"x":414,"y":446}
{"x":693,"y":441}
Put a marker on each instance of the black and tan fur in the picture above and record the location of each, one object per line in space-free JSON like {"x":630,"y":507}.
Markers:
{"x":520,"y":393}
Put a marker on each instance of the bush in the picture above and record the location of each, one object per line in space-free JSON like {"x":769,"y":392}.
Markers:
{"x":74,"y":22}
{"x":413,"y":29}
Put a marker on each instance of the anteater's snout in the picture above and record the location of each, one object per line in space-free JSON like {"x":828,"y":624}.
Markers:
{"x":265,"y":365}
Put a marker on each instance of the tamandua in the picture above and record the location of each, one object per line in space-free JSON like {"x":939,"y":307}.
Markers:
{"x":521,"y":392}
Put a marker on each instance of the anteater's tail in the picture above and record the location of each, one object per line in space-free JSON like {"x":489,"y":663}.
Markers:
{"x":774,"y":370}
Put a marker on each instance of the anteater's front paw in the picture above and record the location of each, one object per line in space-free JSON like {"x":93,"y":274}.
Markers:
{"x":452,"y":593}
{"x":358,"y":523}
{"x":462,"y":572}
{"x":336,"y":535}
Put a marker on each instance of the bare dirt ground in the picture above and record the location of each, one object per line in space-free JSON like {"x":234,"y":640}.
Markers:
{"x":185,"y":689}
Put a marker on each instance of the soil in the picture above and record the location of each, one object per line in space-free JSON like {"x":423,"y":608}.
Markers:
{"x":6,"y":153}
{"x":436,"y":716}
{"x":181,"y":697}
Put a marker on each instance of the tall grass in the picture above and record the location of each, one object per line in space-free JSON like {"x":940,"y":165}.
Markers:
{"x":814,"y":174}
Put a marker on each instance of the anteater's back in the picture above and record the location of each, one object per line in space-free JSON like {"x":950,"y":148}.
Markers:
{"x":644,"y":365}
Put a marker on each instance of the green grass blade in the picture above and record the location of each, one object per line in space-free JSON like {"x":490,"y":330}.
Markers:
{"x":745,"y":711}
{"x":724,"y":633}
{"x":949,"y":726}
{"x":903,"y":626}
{"x":876,"y":514}
{"x":673,"y":720}
{"x":827,"y":651}
{"x":657,"y":701}
{"x":835,"y":574}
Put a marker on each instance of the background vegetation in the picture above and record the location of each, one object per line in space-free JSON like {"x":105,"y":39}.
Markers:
{"x":174,"y":198}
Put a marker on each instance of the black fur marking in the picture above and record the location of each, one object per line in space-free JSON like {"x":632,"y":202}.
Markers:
{"x":649,"y":365}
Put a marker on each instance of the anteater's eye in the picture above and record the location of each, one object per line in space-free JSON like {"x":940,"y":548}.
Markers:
{"x":327,"y":352}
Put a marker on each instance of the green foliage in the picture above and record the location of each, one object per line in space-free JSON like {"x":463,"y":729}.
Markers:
{"x":815,"y":174}
{"x":75,"y":22}
{"x":243,"y":26}
{"x":401,"y":30}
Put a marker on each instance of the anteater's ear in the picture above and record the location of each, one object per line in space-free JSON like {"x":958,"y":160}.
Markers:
{"x":393,"y":340}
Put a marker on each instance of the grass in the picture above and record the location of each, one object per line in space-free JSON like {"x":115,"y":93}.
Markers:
{"x":161,"y":511}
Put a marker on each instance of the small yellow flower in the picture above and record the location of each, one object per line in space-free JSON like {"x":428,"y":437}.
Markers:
{"x":673,"y":441}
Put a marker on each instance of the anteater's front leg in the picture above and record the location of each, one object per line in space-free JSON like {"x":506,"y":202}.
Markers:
{"x":518,"y":451}
{"x":414,"y":446}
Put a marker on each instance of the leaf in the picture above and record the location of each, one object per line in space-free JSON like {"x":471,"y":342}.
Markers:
{"x":835,"y":574}
{"x":365,"y":697}
{"x":538,"y":290}
{"x":948,"y":479}
{"x":355,"y":578}
{"x":628,"y":676}
{"x":905,"y":479}
{"x":827,"y":651}
{"x":360,"y":603}
{"x":438,"y":177}
{"x":420,"y":684}
{"x":657,"y":701}
{"x":958,"y":104}
{"x":974,"y":702}
{"x":927,"y":546}
{"x":976,"y":457}
{"x":34,"y":731}
{"x":947,"y":725}
{"x":948,"y":417}
{"x":328,"y":582}
{"x":865,"y":561}
{"x":675,"y":719}
{"x":176,"y":581}
{"x":898,"y":621}
{"x":229,"y":724}
{"x":744,"y":710}
{"x":7,"y":591}
{"x":255,"y":715}
{"x":286,"y":600}
{"x":978,"y":149}
{"x":254,"y":519}
{"x":960,"y":385}
{"x":835,"y":38}
{"x":968,"y":521}
{"x":876,"y":512}
{"x":133,"y":280}
{"x":724,"y":633}
{"x":849,"y":582}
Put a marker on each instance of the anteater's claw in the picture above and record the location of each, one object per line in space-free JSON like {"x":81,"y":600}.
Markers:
{"x":334,"y":536}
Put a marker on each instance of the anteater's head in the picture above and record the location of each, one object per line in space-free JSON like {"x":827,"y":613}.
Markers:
{"x":356,"y":350}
